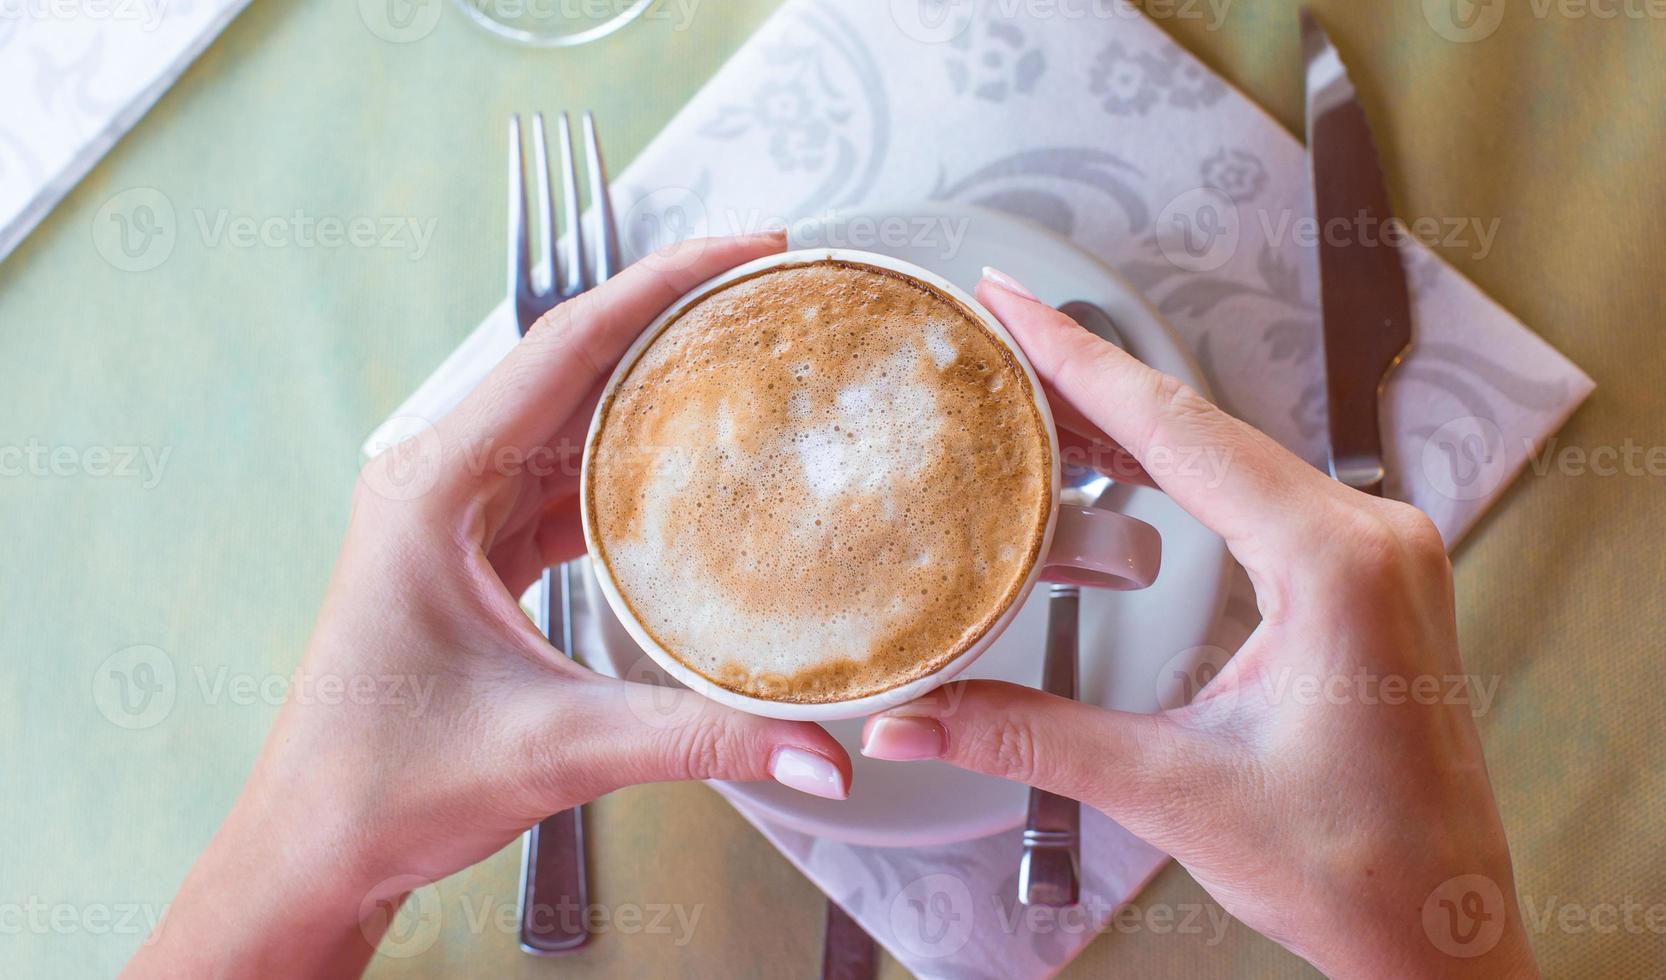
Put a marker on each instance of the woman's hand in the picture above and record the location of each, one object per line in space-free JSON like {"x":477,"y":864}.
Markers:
{"x":1327,"y":788}
{"x":454,"y":725}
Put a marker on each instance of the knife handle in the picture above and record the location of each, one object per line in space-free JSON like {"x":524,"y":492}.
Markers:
{"x":847,"y":951}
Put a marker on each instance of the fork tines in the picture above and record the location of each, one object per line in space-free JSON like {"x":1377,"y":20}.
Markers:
{"x":561,"y":273}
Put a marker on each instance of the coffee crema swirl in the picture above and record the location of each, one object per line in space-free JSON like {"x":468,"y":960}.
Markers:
{"x":820,"y":482}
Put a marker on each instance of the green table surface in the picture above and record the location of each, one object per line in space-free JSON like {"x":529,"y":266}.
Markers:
{"x":259,"y":370}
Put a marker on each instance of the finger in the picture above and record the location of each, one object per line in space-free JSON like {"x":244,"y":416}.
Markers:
{"x":1233,"y":478}
{"x":561,"y":535}
{"x":547,"y":485}
{"x":520,"y":558}
{"x":1066,"y":416}
{"x":537,"y":388}
{"x":642,"y":733}
{"x":1104,"y":456}
{"x":567,"y":446}
{"x":1120,"y":763}
{"x":542,"y":516}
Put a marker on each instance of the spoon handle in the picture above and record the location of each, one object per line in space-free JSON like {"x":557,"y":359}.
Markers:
{"x":1049,"y":872}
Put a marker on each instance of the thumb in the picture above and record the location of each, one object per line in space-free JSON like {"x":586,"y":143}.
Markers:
{"x":1126,"y":765}
{"x":645,"y":733}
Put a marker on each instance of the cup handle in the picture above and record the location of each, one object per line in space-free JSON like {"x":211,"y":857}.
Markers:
{"x":1102,"y":549}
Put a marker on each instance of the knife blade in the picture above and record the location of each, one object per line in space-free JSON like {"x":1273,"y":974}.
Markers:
{"x":1363,"y":295}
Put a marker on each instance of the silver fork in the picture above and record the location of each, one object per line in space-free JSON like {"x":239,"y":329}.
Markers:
{"x":554,"y":892}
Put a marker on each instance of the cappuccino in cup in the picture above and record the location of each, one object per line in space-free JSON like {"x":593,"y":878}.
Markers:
{"x":818,"y":482}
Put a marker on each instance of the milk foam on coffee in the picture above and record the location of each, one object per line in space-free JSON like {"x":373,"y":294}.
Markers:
{"x":820,"y":482}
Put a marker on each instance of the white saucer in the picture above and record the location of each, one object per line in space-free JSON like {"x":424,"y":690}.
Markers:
{"x":1134,"y":645}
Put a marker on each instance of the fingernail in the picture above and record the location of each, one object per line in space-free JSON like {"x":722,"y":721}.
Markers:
{"x":778,"y":234}
{"x":996,"y":277}
{"x":903,"y":739}
{"x":807,"y":772}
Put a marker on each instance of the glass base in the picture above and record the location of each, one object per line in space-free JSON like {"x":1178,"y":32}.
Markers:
{"x":552,"y":23}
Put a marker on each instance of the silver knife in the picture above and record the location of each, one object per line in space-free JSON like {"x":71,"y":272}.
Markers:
{"x":1362,"y":283}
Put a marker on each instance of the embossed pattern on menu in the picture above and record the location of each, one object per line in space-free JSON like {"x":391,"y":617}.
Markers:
{"x":821,"y":482}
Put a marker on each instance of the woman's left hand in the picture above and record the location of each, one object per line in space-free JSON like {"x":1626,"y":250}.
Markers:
{"x":429,"y":722}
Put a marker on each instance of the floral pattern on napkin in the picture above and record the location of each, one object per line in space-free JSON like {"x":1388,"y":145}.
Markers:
{"x":1120,"y":140}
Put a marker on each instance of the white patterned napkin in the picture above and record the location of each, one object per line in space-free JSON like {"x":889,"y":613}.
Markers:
{"x":1088,"y":119}
{"x":74,"y":76}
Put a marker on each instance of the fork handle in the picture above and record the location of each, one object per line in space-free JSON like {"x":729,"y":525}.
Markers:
{"x":554,"y":900}
{"x":554,"y":889}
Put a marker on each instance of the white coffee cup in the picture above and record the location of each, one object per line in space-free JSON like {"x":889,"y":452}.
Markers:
{"x":1082,"y":546}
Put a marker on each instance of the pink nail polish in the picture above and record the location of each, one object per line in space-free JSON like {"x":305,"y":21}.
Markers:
{"x":807,"y":772}
{"x":996,"y":277}
{"x":899,"y":738}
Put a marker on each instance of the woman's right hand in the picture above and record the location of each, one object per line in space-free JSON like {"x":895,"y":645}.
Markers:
{"x":1328,"y":788}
